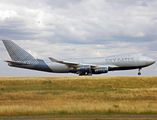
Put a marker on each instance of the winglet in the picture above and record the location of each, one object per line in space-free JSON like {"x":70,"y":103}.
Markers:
{"x":54,"y":60}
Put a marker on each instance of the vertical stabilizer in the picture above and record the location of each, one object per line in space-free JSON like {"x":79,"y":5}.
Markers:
{"x":16,"y":52}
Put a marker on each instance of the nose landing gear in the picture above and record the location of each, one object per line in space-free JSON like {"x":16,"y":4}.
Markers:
{"x":139,"y":73}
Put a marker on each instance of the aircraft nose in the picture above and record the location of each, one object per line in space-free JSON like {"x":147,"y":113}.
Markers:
{"x":150,"y":61}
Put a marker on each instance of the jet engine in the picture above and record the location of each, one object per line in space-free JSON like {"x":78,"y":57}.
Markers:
{"x":84,"y":68}
{"x":101,"y":70}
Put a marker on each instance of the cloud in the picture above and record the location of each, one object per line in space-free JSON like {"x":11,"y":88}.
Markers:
{"x":80,"y":22}
{"x":78,"y":28}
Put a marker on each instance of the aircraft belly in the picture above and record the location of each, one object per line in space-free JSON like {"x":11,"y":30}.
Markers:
{"x":59,"y":68}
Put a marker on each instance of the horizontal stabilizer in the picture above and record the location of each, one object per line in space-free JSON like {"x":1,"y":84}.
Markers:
{"x":17,"y":63}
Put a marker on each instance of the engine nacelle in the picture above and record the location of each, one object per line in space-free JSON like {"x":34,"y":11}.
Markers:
{"x":101,"y":70}
{"x":84,"y":68}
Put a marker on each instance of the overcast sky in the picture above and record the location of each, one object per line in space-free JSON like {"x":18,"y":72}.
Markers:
{"x":78,"y":28}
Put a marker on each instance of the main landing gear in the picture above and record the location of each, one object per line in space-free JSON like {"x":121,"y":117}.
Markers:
{"x":85,"y":73}
{"x":139,"y":73}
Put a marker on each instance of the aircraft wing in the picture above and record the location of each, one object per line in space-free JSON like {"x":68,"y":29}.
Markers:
{"x":74,"y":64}
{"x":64,"y":62}
{"x":17,"y":63}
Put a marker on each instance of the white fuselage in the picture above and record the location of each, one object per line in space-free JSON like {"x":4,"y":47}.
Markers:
{"x":82,"y":66}
{"x":126,"y":61}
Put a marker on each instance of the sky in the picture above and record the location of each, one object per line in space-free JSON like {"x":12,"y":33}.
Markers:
{"x":78,"y":29}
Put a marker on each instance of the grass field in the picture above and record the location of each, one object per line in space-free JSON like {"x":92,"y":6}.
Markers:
{"x":94,"y":95}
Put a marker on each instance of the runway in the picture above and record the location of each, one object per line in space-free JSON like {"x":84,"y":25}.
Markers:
{"x":85,"y":117}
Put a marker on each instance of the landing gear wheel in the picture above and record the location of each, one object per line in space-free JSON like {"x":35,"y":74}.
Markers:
{"x":89,"y":74}
{"x":81,"y":74}
{"x":85,"y":74}
{"x":139,"y":73}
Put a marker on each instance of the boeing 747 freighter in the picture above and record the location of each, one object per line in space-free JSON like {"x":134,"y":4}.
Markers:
{"x":82,"y":66}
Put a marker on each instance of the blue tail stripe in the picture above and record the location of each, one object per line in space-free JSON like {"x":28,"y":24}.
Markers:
{"x":42,"y":66}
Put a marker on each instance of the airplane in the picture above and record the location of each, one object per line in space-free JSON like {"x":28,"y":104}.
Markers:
{"x":82,"y":66}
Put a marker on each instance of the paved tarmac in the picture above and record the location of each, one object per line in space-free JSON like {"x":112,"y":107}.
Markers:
{"x":83,"y":117}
